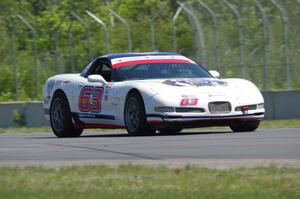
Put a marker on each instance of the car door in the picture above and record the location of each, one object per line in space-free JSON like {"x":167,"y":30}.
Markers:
{"x":92,"y":97}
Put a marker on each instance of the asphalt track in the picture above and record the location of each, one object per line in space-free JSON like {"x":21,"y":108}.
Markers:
{"x":217,"y":148}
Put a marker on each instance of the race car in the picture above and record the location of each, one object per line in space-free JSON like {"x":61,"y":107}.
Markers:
{"x":149,"y":92}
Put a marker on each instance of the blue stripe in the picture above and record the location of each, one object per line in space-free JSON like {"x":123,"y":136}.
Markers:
{"x":113,"y":56}
{"x":91,"y":115}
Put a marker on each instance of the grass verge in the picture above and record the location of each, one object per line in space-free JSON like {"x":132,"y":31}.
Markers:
{"x":264,"y":124}
{"x":25,"y":130}
{"x":295,"y":123}
{"x":130,"y":181}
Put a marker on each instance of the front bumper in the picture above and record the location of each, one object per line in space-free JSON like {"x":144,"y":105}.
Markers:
{"x":192,"y":121}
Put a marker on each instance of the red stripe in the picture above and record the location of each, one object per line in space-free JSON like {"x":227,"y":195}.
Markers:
{"x":146,"y":61}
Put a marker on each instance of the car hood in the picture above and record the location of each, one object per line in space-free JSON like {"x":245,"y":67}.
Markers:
{"x":185,"y":86}
{"x":209,"y":88}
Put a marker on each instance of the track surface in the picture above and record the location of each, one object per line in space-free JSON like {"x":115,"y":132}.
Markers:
{"x":217,"y":148}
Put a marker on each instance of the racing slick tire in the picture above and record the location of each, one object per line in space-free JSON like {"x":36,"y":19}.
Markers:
{"x":245,"y":126}
{"x":169,"y":131}
{"x":135,"y":116}
{"x":61,"y":117}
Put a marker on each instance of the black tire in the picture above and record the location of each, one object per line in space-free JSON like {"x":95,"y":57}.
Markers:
{"x":170,"y":131}
{"x":135,"y":116}
{"x":61,"y":118}
{"x":245,"y":126}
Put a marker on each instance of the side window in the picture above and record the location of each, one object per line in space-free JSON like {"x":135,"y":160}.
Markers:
{"x":105,"y":72}
{"x":101,"y":67}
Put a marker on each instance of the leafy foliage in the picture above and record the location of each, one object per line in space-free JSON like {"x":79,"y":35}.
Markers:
{"x":63,"y":45}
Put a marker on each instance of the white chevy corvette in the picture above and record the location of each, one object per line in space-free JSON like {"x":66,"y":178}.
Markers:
{"x":145,"y":92}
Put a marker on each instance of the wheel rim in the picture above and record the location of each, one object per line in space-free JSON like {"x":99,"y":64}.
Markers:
{"x":132,"y":115}
{"x":57,"y":115}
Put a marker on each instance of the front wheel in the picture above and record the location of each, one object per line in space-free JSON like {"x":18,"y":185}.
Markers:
{"x":135,"y":116}
{"x":61,"y":118}
{"x":245,"y":126}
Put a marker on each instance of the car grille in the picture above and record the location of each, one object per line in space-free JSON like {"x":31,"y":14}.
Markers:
{"x":219,"y":107}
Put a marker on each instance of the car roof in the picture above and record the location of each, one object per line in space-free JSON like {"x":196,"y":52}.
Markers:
{"x":121,"y":55}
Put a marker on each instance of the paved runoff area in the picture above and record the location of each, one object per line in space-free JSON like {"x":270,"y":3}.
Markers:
{"x":214,"y":148}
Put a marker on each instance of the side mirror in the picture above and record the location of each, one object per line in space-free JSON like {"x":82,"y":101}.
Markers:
{"x":214,"y":73}
{"x":97,"y":78}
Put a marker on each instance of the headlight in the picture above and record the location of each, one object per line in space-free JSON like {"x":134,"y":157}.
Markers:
{"x":250,"y":107}
{"x":260,"y":106}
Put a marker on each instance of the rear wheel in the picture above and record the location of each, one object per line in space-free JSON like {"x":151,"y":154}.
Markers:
{"x":61,"y":118}
{"x":135,"y":117}
{"x":245,"y":126}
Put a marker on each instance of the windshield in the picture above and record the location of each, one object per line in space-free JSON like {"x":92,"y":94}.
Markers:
{"x":159,"y":71}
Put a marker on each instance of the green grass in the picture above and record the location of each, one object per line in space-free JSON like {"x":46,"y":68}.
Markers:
{"x":130,"y":182}
{"x":295,"y":123}
{"x":25,"y":130}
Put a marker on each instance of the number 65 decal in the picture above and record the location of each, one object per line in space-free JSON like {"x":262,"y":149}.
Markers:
{"x":90,"y":99}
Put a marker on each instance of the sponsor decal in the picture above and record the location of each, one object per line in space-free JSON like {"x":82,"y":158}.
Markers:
{"x":61,"y":82}
{"x":188,"y":100}
{"x":49,"y":90}
{"x":50,"y":87}
{"x":58,"y":83}
{"x":106,"y":91}
{"x":90,"y":99}
{"x":175,"y":83}
{"x":195,"y":82}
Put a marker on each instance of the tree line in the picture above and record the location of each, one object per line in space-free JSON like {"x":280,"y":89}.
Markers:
{"x":62,"y":43}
